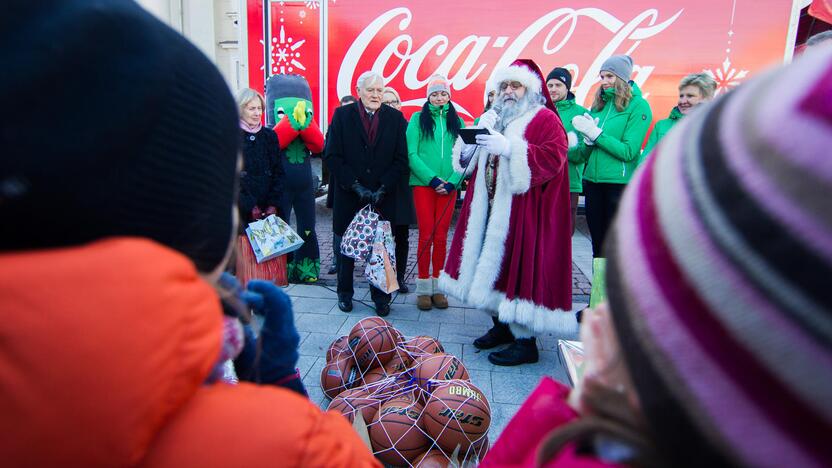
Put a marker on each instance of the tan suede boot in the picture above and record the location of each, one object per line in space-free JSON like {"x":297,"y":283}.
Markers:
{"x":424,"y":289}
{"x":439,"y":300}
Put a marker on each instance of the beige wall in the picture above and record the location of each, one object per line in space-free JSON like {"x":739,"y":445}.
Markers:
{"x":216,"y":27}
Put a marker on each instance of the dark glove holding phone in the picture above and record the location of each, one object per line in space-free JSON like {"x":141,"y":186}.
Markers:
{"x":272,"y":357}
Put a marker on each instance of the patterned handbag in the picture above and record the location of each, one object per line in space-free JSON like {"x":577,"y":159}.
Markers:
{"x":381,"y":264}
{"x":357,"y":241}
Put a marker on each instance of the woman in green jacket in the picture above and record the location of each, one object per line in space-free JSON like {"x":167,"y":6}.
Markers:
{"x":613,"y":133}
{"x":694,"y":89}
{"x":559,"y":84}
{"x":431,"y":134}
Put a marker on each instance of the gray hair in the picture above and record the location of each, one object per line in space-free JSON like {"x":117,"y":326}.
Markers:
{"x":245,"y":96}
{"x":703,"y":81}
{"x":818,"y":38}
{"x":369,"y":77}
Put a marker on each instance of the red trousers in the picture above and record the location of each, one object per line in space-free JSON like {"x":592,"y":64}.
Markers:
{"x":433,"y":213}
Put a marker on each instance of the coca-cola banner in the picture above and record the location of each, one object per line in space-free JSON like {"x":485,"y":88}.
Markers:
{"x":409,"y":40}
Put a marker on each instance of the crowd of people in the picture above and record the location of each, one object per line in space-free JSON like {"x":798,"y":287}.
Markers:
{"x":117,"y":235}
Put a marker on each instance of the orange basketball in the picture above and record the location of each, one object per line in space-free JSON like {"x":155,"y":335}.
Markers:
{"x":373,"y":376}
{"x":337,"y":348}
{"x":439,"y":367}
{"x":398,"y":335}
{"x":356,"y":399}
{"x":457,"y":413}
{"x":374,"y":345}
{"x":422,"y":345}
{"x":338,"y":375}
{"x":401,"y":362}
{"x":432,"y":459}
{"x":367,"y":324}
{"x":396,"y":434}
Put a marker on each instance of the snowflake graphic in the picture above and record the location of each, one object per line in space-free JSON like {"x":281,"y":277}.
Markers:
{"x":285,"y":54}
{"x":314,"y":4}
{"x":726,"y":77}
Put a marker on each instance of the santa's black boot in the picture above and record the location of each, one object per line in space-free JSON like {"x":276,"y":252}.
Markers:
{"x":522,"y":351}
{"x":499,"y":334}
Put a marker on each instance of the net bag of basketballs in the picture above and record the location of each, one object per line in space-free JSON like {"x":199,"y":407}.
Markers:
{"x":357,"y":240}
{"x":414,"y":403}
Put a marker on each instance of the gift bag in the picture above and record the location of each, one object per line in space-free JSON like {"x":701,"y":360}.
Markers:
{"x":249,"y":268}
{"x":272,"y":237}
{"x":381,"y":263}
{"x":358,"y":238}
{"x":599,"y":283}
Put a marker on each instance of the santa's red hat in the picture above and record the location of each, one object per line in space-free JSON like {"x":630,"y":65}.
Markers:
{"x":526,"y":72}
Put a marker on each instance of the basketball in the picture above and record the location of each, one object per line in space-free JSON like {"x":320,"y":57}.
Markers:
{"x":423,"y":345}
{"x":372,"y":342}
{"x":439,"y":367}
{"x":338,"y":375}
{"x":373,"y":376}
{"x":337,"y":348}
{"x":396,"y":434}
{"x":401,"y":362}
{"x":432,"y":459}
{"x":350,"y":401}
{"x":457,"y":413}
{"x":397,"y":335}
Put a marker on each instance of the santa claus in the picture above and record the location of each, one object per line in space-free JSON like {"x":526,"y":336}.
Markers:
{"x":511,"y":253}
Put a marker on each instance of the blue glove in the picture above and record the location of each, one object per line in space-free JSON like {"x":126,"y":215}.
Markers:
{"x":449,"y":187}
{"x":271,"y":358}
{"x":435,"y":182}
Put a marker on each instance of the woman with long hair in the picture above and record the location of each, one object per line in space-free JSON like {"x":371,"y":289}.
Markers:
{"x":613,"y":132}
{"x":431,"y":134}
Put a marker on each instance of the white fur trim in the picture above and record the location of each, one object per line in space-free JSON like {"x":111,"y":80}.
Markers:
{"x":572,"y":139}
{"x":456,"y":153}
{"x":424,"y":287}
{"x":518,"y":165}
{"x":517,"y":73}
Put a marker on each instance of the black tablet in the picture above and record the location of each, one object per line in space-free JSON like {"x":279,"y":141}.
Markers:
{"x":469,"y":135}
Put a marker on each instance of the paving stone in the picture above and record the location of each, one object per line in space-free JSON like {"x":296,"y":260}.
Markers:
{"x":314,"y":305}
{"x":501,"y":414}
{"x":305,"y":363}
{"x":460,"y":333}
{"x":449,"y":315}
{"x":478,"y":317}
{"x":453,"y":348}
{"x":513,"y":388}
{"x":317,"y":396}
{"x":316,"y":344}
{"x":478,"y":359}
{"x":313,"y":376}
{"x":410,"y":328}
{"x":482,"y":379}
{"x":320,"y":323}
{"x":312,"y":290}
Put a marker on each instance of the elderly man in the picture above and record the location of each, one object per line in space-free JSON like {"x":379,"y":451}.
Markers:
{"x":512,"y":253}
{"x":367,"y":153}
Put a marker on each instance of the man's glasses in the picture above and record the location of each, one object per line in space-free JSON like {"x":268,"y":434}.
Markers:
{"x":515,"y":85}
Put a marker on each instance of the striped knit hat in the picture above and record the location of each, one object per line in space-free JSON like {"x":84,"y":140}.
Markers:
{"x":438,"y":83}
{"x":720,"y":276}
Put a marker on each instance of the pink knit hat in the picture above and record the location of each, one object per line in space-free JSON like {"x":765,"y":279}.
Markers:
{"x":719,"y":276}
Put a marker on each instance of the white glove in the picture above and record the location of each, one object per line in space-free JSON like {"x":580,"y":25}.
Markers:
{"x":495,"y":143}
{"x":488,"y":120}
{"x":572,"y":139}
{"x":587,"y":125}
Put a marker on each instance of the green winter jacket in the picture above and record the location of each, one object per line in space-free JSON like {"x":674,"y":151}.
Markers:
{"x":615,"y":155}
{"x":567,"y":109}
{"x":660,"y":130}
{"x":431,"y":157}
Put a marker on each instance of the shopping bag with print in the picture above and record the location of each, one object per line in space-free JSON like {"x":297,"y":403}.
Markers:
{"x":358,"y":238}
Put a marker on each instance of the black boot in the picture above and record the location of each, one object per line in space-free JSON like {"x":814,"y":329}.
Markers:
{"x":497,"y":335}
{"x":522,"y":351}
{"x":403,"y":289}
{"x":345,"y":302}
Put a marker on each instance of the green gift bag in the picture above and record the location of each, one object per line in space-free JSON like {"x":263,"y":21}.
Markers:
{"x":599,"y":283}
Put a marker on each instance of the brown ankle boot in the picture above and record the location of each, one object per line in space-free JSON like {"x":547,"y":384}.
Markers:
{"x":440,"y":301}
{"x":424,"y":290}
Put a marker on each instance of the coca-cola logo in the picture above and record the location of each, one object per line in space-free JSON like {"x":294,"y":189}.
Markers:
{"x":470,"y":60}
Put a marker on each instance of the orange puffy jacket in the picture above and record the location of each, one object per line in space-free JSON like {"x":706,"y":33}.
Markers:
{"x":104,"y":350}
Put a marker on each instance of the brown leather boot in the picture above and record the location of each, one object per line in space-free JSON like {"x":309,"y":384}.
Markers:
{"x":439,"y":300}
{"x":424,"y":291}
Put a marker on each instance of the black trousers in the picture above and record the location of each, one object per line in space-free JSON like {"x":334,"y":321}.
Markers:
{"x":401,"y":234}
{"x":601,"y":204}
{"x":346,"y":270}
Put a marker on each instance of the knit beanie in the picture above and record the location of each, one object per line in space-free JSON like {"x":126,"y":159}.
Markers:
{"x":562,"y":75}
{"x":719,"y":276}
{"x":620,"y":66}
{"x":438,"y":83}
{"x":115,"y":126}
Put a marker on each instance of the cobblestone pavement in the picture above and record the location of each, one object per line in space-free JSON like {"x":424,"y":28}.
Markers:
{"x":319,"y":322}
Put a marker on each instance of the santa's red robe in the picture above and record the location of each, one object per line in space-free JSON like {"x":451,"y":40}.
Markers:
{"x":516,"y":262}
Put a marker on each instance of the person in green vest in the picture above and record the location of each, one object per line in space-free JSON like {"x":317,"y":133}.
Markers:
{"x":613,"y":132}
{"x":559,"y":84}
{"x":694,"y":89}
{"x":431,"y":134}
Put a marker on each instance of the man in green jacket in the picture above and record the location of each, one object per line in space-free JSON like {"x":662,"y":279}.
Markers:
{"x":559,"y":84}
{"x":694,"y":89}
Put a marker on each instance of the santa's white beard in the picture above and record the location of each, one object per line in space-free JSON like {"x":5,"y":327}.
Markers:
{"x":512,"y":110}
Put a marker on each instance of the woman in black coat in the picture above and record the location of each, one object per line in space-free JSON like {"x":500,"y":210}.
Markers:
{"x":367,"y":153}
{"x":261,"y":180}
